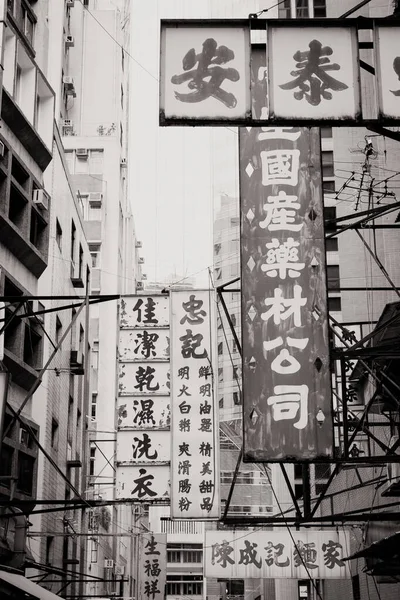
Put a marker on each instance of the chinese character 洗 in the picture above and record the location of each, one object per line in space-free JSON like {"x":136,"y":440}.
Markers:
{"x":289,"y":402}
{"x":205,"y":425}
{"x":184,"y":504}
{"x":285,"y":363}
{"x":280,"y":167}
{"x":151,"y":546}
{"x":205,"y":449}
{"x":144,"y":415}
{"x":184,"y":425}
{"x":149,"y":317}
{"x":282,"y":259}
{"x":184,"y":467}
{"x":311,"y":76}
{"x":220,"y":554}
{"x":145,"y":342}
{"x":184,"y":391}
{"x":248,"y":555}
{"x":206,"y":504}
{"x":305,"y":555}
{"x":207,"y":78}
{"x":142,"y":448}
{"x":205,"y":372}
{"x":396,"y":68}
{"x":332,"y":556}
{"x":152,"y":569}
{"x":194,"y":313}
{"x":273,"y":553}
{"x":151,"y":588}
{"x":281,"y":308}
{"x":143,"y":485}
{"x":280,"y":213}
{"x":184,"y":449}
{"x":184,"y":486}
{"x":190,"y":343}
{"x":144,"y":377}
{"x":205,"y":390}
{"x":183,"y":372}
{"x":278,"y":133}
{"x":205,"y":408}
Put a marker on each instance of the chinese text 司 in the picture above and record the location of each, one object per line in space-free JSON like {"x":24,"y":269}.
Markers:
{"x":312,"y":77}
{"x":207,"y":78}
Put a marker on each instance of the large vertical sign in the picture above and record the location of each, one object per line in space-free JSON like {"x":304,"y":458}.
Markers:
{"x":152,"y":566}
{"x":194,"y":455}
{"x":387,"y":61}
{"x":143,"y":438}
{"x":286,"y":379}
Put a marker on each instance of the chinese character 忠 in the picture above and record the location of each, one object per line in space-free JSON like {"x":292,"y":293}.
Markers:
{"x":207,"y":78}
{"x":312,"y":70}
{"x":193,"y":309}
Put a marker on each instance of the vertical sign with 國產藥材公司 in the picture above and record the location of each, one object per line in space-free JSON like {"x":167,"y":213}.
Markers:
{"x":152,"y":572}
{"x":194,"y":451}
{"x":287,"y":413}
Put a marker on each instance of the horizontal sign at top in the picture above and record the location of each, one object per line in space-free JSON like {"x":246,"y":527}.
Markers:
{"x":312,"y":72}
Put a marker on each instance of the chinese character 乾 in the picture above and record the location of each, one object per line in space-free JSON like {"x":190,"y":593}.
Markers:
{"x":207,"y":78}
{"x":332,"y":556}
{"x":144,"y":377}
{"x":220,"y":554}
{"x":289,"y":402}
{"x":305,"y":555}
{"x":281,"y":308}
{"x":194,"y":314}
{"x":282,"y":259}
{"x":280,"y":167}
{"x":311,"y":76}
{"x":280,"y":213}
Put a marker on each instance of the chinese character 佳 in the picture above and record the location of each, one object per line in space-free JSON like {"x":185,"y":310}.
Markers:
{"x":206,"y":79}
{"x":311,"y":75}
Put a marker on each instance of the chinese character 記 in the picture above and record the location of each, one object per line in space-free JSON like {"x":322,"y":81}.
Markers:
{"x":273,"y":554}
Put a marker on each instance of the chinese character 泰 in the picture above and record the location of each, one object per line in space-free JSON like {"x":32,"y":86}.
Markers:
{"x":288,"y":402}
{"x":280,"y":213}
{"x":280,"y":166}
{"x":149,"y":312}
{"x":145,"y":342}
{"x":189,"y":344}
{"x":207,"y":78}
{"x":332,"y":556}
{"x":311,"y":73}
{"x":282,"y":259}
{"x":194,"y":313}
{"x":248,"y":555}
{"x":220,"y":553}
{"x":144,"y":377}
{"x":305,"y":555}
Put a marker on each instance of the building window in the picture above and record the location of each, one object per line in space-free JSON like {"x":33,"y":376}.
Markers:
{"x":234,"y":269}
{"x":236,"y":398}
{"x":218,"y":273}
{"x":184,"y":585}
{"x":284,"y":10}
{"x":184,"y":553}
{"x":72,"y":251}
{"x":32,"y":347}
{"x":302,"y":9}
{"x":220,"y":374}
{"x":220,"y":348}
{"x":319,"y":9}
{"x":234,"y":347}
{"x":92,"y":459}
{"x":94,"y":250}
{"x":26,"y":468}
{"x":327,"y":164}
{"x":326,"y":132}
{"x":221,"y":403}
{"x":330,"y":215}
{"x":6,"y":463}
{"x":332,"y":272}
{"x":49,"y":549}
{"x":28,"y":23}
{"x":54,"y":434}
{"x":93,"y":410}
{"x":217,"y":249}
{"x":58,"y":329}
{"x":235,"y":372}
{"x":334,"y":304}
{"x":38,"y":228}
{"x":233,"y":319}
{"x":94,"y":545}
{"x":96,"y":162}
{"x":58,"y":235}
{"x":69,"y":159}
{"x":328,"y":187}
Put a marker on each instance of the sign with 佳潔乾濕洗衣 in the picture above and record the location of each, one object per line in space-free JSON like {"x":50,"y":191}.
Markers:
{"x":194,"y":454}
{"x":265,"y":554}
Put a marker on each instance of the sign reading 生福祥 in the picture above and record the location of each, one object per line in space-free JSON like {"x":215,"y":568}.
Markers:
{"x":275,"y":554}
{"x":194,"y":454}
{"x":313,"y":72}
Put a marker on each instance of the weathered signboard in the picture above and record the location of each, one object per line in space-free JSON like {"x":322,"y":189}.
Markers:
{"x":143,"y":378}
{"x":152,"y":565}
{"x":287,"y":413}
{"x":143,"y":483}
{"x":144,"y":412}
{"x":194,"y":455}
{"x":143,"y":446}
{"x":142,"y":344}
{"x":313,"y":72}
{"x":205,"y":71}
{"x":144,"y":311}
{"x":276,"y":554}
{"x":387,"y":61}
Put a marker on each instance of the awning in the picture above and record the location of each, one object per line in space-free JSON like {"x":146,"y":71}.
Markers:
{"x":26,"y":585}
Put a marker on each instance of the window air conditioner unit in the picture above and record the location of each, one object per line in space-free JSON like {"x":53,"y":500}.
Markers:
{"x":82,"y":152}
{"x":141,"y":260}
{"x":76,"y":362}
{"x":123,"y":162}
{"x":41,"y":199}
{"x":67,"y":123}
{"x":108,"y":563}
{"x":95,"y":199}
{"x":138,"y":244}
{"x":69,"y":41}
{"x":2,"y":149}
{"x":139,"y":285}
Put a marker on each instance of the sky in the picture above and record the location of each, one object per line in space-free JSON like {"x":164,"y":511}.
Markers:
{"x":176,"y":173}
